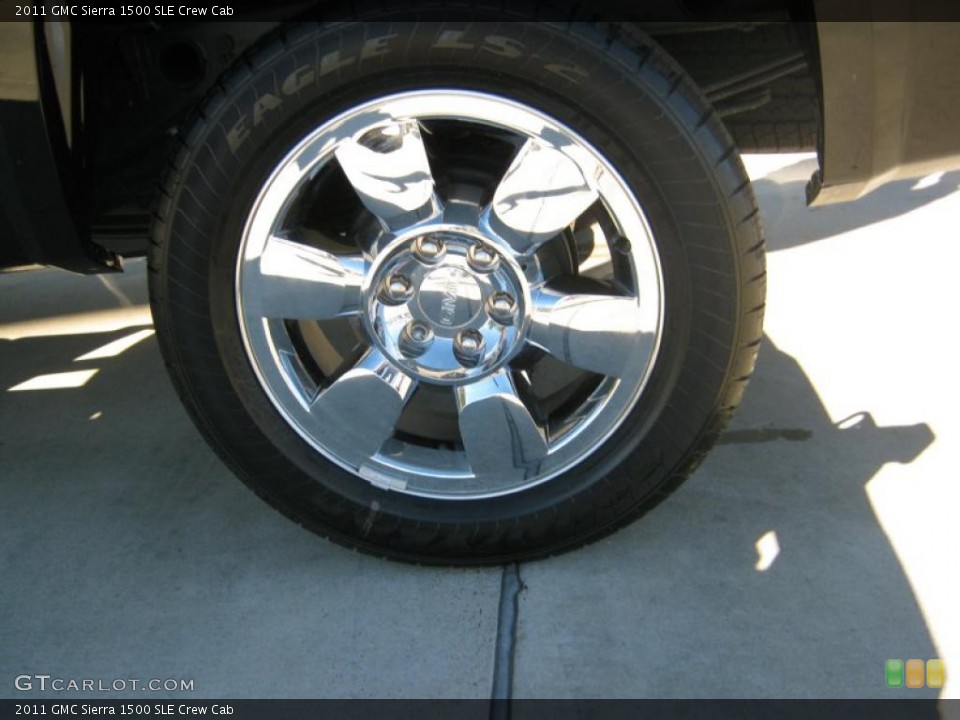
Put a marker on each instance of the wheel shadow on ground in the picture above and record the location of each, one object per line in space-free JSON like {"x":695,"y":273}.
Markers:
{"x":766,"y":575}
{"x":789,"y":223}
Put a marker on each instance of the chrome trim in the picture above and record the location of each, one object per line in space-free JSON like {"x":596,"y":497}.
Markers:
{"x":441,"y":248}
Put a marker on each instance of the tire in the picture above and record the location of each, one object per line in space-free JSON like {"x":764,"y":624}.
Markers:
{"x":542,"y":423}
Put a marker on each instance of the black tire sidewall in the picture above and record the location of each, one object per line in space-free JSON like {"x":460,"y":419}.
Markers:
{"x":618,"y":110}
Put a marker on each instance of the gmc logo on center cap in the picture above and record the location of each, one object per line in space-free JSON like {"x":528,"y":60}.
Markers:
{"x":448,"y":306}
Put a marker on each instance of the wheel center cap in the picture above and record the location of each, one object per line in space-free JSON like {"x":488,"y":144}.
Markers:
{"x":446,"y":305}
{"x":450,"y":296}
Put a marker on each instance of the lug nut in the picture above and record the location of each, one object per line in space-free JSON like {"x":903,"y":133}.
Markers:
{"x":415,"y":338}
{"x":502,"y":307}
{"x":396,"y":290}
{"x":482,"y":258}
{"x":468,"y":347}
{"x":429,"y":250}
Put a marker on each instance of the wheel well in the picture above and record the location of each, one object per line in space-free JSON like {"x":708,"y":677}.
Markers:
{"x":761,"y":77}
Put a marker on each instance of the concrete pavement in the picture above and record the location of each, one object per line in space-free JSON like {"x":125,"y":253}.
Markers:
{"x":129,"y":551}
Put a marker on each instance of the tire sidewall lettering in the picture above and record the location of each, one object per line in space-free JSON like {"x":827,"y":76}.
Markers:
{"x":305,"y":75}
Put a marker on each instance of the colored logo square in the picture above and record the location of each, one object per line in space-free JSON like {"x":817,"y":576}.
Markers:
{"x":894,"y":673}
{"x":935,"y":673}
{"x":914,"y":673}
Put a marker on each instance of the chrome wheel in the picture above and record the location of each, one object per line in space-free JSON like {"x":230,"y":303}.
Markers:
{"x":465,"y":338}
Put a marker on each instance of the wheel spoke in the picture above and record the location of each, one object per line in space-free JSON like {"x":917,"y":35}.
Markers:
{"x":542,"y":192}
{"x":294,"y":280}
{"x":500,"y":436}
{"x":359,"y":411}
{"x":598,"y":333}
{"x":389,"y":170}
